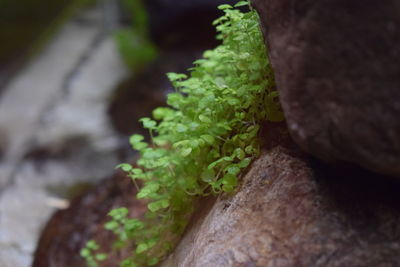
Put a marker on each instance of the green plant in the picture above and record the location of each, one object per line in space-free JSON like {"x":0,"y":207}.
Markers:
{"x":133,"y":43}
{"x":90,"y":255}
{"x":203,"y":141}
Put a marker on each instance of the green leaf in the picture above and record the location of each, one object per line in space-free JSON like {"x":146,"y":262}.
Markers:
{"x":228,"y":188}
{"x":208,"y":138}
{"x":229,"y":179}
{"x":133,"y":224}
{"x":176,"y":76}
{"x":229,"y":182}
{"x":181,"y":143}
{"x":181,"y":128}
{"x":232,"y":169}
{"x":128,"y":263}
{"x":137,"y":171}
{"x":244,"y":163}
{"x":118,"y":213}
{"x":101,"y":256}
{"x":174,"y":99}
{"x":162,"y":112}
{"x":153,"y":261}
{"x":186,"y":151}
{"x":136,"y":138}
{"x":151,"y":242}
{"x":147,"y":190}
{"x":136,"y":142}
{"x":112,"y":225}
{"x":148,"y":123}
{"x":225,"y":6}
{"x":205,"y":119}
{"x":249,"y":150}
{"x":208,"y":175}
{"x":85,"y":252}
{"x":92,"y":245}
{"x":157,"y":205}
{"x":240,"y":153}
{"x":142,"y":247}
{"x":215,"y":163}
{"x":126,"y":167}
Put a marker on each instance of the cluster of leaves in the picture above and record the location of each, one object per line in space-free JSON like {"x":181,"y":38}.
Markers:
{"x":133,"y":43}
{"x":91,"y":256}
{"x":203,"y":141}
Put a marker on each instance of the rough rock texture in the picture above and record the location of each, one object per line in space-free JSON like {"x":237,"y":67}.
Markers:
{"x":337,"y":71}
{"x":289,"y":213}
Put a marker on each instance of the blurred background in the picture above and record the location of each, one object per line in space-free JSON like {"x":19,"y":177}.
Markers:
{"x":75,"y":77}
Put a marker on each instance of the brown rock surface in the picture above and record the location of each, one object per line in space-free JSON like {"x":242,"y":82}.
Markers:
{"x":337,"y":69}
{"x":289,"y":213}
{"x":68,"y":230}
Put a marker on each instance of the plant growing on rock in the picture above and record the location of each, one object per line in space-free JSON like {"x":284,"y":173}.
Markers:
{"x":203,"y":141}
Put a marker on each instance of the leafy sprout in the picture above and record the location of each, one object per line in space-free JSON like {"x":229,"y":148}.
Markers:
{"x":204,"y":140}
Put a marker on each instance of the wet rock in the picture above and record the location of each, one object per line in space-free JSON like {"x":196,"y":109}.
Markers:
{"x":290,"y":211}
{"x":68,"y":230}
{"x":336,"y":67}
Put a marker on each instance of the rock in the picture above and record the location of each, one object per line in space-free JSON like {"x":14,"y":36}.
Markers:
{"x":336,"y":67}
{"x":68,"y":230}
{"x":289,"y":211}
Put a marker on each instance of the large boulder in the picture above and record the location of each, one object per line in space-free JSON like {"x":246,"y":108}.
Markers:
{"x":337,"y":70}
{"x":287,"y":211}
{"x":290,"y":212}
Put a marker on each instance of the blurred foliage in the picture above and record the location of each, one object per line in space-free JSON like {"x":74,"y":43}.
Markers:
{"x":26,"y":25}
{"x":133,"y":42}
